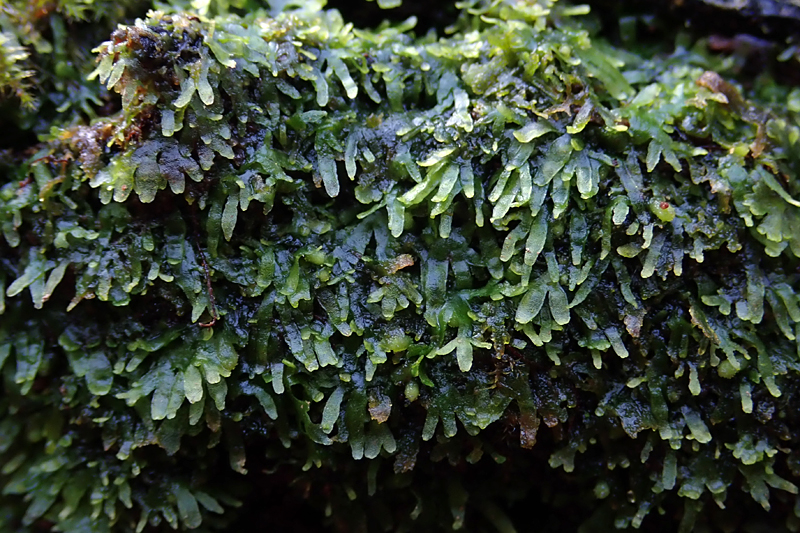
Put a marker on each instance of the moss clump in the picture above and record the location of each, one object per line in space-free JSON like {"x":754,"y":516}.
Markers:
{"x":407,"y":276}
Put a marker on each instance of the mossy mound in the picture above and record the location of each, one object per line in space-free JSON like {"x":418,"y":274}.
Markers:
{"x":427,"y":282}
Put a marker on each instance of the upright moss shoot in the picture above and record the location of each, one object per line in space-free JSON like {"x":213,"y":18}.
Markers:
{"x":412,"y":271}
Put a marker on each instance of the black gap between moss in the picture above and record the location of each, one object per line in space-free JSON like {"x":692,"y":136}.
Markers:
{"x":435,"y":14}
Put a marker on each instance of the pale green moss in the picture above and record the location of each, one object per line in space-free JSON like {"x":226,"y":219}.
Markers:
{"x":388,"y":246}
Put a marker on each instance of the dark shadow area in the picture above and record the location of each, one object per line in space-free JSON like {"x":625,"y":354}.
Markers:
{"x":755,"y":36}
{"x":702,"y":17}
{"x":274,"y":504}
{"x":435,"y":14}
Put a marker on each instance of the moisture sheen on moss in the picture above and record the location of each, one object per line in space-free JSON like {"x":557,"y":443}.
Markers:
{"x":422,"y":280}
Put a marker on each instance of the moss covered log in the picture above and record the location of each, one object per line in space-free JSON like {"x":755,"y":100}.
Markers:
{"x":262,"y":268}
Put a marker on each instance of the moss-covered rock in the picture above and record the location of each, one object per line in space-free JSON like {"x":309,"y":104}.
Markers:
{"x":429,"y":282}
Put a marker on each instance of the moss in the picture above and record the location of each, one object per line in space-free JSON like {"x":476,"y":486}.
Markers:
{"x":408,"y":276}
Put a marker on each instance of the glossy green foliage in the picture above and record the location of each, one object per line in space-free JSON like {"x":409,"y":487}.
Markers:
{"x":14,"y":77}
{"x":360,"y":253}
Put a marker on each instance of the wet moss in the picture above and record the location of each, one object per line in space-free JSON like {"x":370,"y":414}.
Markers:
{"x":427,"y":281}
